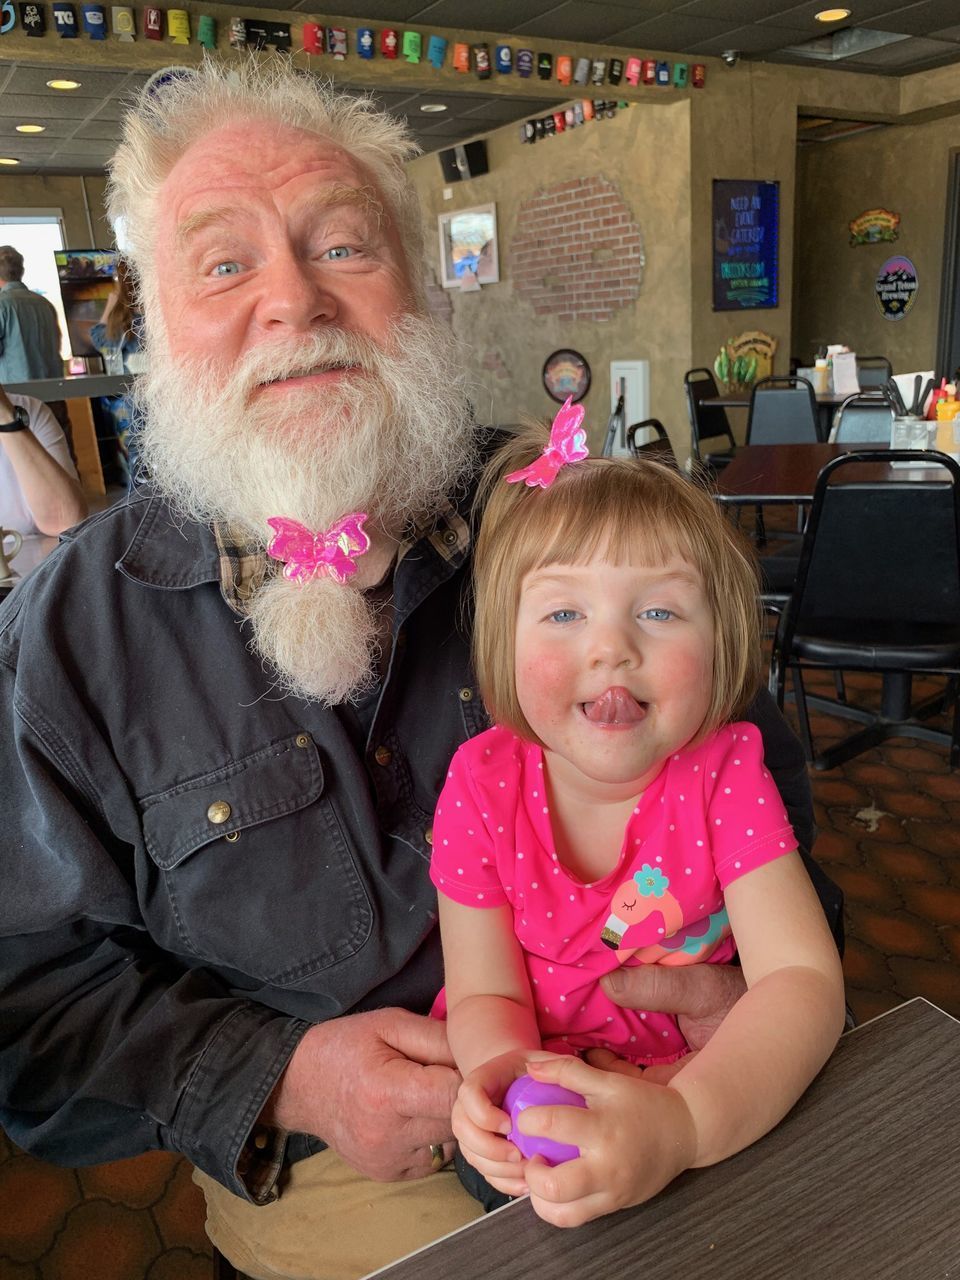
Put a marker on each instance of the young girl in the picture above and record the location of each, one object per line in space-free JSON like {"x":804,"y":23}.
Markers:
{"x":619,"y":813}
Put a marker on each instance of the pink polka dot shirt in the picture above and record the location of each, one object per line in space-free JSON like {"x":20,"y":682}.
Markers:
{"x":712,"y":814}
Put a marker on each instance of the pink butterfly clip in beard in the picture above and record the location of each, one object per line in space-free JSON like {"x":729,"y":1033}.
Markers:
{"x":568,"y":443}
{"x":331,"y":553}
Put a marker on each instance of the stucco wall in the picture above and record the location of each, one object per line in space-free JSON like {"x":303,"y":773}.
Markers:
{"x":644,"y":154}
{"x":66,"y":193}
{"x":905,"y":169}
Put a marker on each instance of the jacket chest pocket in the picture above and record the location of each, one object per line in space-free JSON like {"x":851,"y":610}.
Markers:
{"x":250,"y":869}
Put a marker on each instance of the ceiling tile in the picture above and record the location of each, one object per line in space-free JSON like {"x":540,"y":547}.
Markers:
{"x":915,"y":19}
{"x":492,"y":15}
{"x":670,"y":32}
{"x":573,"y":20}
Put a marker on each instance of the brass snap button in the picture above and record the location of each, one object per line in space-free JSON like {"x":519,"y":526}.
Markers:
{"x":383,"y":755}
{"x":428,"y":835}
{"x":466,"y":695}
{"x":232,"y":836}
{"x":450,"y":538}
{"x":302,"y":739}
{"x":219,"y":811}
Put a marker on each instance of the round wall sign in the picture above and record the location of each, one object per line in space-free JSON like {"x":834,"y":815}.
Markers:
{"x":566,"y":373}
{"x":896,"y":287}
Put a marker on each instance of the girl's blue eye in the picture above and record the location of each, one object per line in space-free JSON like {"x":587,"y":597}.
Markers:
{"x":564,"y":615}
{"x":657,"y":615}
{"x":226,"y":268}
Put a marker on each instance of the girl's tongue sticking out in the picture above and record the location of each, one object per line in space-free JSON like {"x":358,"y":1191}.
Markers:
{"x":615,"y":706}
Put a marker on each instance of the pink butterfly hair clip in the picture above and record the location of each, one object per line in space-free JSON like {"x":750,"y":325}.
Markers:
{"x":568,"y":443}
{"x":331,"y":553}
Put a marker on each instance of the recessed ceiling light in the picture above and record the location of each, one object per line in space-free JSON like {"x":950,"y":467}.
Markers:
{"x":433,"y":107}
{"x":63,"y":84}
{"x":31,"y":128}
{"x":832,"y":15}
{"x":8,"y":160}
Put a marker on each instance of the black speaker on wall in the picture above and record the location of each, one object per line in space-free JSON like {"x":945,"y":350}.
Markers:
{"x":468,"y":161}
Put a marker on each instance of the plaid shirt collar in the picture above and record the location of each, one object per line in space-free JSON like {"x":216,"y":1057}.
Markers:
{"x":244,"y":564}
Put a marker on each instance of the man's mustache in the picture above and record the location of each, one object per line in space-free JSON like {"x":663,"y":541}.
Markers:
{"x":326,"y":349}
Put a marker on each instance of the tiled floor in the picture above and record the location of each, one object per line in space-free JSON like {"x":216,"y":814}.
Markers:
{"x":890,"y":836}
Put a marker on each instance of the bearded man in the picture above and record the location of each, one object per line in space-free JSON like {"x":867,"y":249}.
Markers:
{"x":218,"y":933}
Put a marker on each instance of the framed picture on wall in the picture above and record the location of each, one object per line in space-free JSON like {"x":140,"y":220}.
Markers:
{"x":746,"y":244}
{"x":468,"y":247}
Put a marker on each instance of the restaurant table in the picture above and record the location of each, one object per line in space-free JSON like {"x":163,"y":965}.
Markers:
{"x":77,"y":390}
{"x":826,"y":404}
{"x":767,"y":474}
{"x":861,"y":1181}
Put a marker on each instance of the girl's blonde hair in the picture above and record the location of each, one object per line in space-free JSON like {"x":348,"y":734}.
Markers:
{"x":642,"y":510}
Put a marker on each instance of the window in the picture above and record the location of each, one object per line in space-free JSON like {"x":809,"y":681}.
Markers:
{"x":38,"y":234}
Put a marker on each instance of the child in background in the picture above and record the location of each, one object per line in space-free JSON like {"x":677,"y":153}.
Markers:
{"x":618,"y":813}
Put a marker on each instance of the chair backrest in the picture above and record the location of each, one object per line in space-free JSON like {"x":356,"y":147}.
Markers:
{"x":782,"y":411}
{"x":863,"y":419}
{"x":881,"y":556}
{"x":649,"y":438}
{"x":706,"y":422}
{"x":873,"y":371}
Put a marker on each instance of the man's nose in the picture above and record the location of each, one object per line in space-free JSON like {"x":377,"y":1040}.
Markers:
{"x":295,"y":294}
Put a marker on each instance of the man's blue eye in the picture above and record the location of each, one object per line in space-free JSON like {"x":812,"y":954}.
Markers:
{"x":657,"y":615}
{"x":339,"y":253}
{"x":226,"y":268}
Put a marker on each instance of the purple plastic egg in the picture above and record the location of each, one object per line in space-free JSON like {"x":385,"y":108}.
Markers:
{"x":527,"y":1092}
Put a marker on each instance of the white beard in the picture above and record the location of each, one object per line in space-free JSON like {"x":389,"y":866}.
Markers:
{"x":391,"y":441}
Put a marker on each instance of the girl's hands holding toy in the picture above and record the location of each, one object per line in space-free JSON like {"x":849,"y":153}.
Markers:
{"x":480,"y":1126}
{"x":634,"y":1138}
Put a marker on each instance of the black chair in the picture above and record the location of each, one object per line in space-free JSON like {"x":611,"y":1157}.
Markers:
{"x":783,"y":410}
{"x":873,"y":371}
{"x":878,"y":589}
{"x":864,"y":418}
{"x":656,"y":441}
{"x":707,"y":422}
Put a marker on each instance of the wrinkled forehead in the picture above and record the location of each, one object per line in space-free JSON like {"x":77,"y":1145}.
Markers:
{"x":247,"y":159}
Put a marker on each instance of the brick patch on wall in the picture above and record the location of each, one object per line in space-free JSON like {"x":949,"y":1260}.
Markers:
{"x":578,"y":253}
{"x":493,"y":361}
{"x":439,"y":303}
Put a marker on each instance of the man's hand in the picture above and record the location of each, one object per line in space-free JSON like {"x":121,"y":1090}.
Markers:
{"x":701,"y":995}
{"x":378,"y":1088}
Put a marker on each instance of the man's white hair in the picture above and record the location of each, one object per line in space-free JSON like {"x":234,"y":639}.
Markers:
{"x":168,"y":117}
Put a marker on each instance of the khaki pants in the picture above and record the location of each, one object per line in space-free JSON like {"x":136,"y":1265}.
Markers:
{"x":331,"y":1223}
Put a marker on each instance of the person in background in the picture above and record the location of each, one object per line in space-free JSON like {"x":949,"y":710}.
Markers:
{"x":29,"y":328}
{"x":119,"y":338}
{"x":29,"y":335}
{"x":619,"y":813}
{"x":227,"y":706}
{"x":39,"y":488}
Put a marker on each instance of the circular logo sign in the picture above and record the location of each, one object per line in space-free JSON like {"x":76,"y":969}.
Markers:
{"x":896,"y":287}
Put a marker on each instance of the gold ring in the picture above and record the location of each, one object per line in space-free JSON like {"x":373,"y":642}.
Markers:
{"x":437,"y":1158}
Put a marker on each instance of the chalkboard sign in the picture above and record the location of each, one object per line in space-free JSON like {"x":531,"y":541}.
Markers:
{"x":746,"y":244}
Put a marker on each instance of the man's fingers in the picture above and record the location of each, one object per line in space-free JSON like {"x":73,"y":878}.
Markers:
{"x":420,"y":1039}
{"x":698,"y":991}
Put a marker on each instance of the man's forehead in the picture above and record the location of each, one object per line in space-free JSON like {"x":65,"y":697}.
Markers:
{"x":234,"y":154}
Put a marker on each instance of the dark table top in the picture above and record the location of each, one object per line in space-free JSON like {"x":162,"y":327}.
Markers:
{"x":861,"y":1181}
{"x":741,"y":400}
{"x":785,"y":473}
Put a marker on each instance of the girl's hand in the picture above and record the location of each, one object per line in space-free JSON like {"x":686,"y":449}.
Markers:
{"x":480,"y":1125}
{"x":634,"y":1137}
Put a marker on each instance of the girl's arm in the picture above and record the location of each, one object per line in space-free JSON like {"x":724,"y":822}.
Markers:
{"x":780,"y":1033}
{"x":491,"y":1027}
{"x":489,"y":1004}
{"x":636,"y":1136}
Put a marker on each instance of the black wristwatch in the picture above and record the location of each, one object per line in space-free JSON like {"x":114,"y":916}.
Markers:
{"x":21,"y":420}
